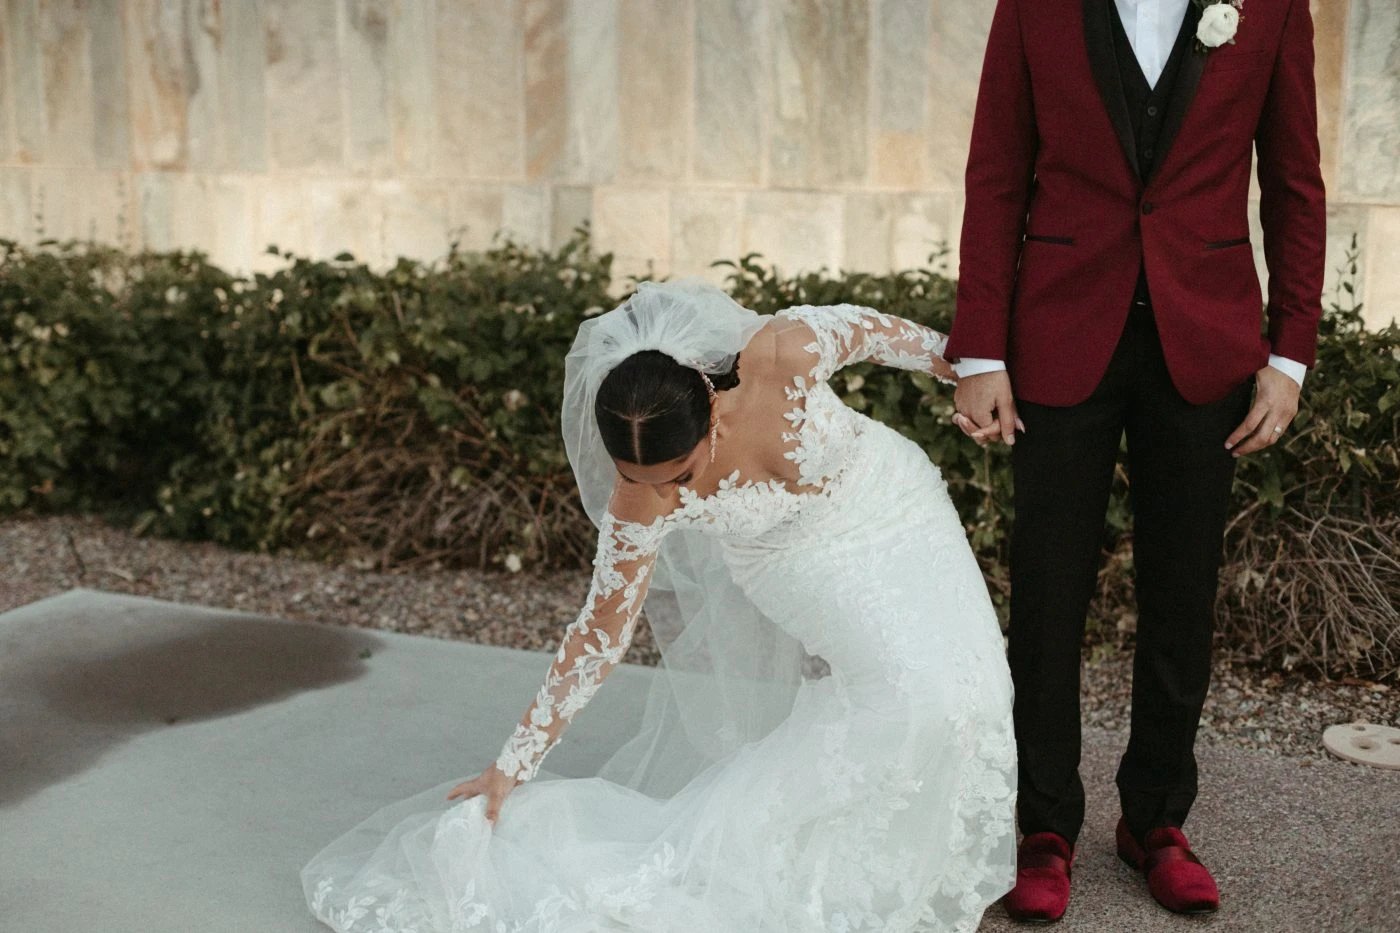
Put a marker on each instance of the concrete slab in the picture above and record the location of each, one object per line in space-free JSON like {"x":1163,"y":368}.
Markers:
{"x":170,"y":768}
{"x":167,"y":769}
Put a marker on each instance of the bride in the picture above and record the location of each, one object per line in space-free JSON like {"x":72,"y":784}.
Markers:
{"x":827,"y":746}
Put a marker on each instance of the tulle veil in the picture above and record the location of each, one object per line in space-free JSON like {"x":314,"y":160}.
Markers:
{"x":728,"y":674}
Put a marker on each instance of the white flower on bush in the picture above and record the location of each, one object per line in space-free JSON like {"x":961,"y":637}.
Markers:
{"x":514,"y":400}
{"x":513,"y":563}
{"x":1219,"y":23}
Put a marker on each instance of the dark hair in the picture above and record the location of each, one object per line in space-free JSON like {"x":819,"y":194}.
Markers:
{"x":651,"y":409}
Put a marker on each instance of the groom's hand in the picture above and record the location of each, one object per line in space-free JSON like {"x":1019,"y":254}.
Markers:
{"x":1275,"y":404}
{"x":986,"y":407}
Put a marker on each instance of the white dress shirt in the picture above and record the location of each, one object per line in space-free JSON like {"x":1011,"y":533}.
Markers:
{"x":1152,"y":27}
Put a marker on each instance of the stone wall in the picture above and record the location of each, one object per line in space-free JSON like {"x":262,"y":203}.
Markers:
{"x":817,"y":132}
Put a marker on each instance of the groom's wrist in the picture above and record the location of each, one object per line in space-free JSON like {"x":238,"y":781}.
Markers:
{"x":976,"y":366}
{"x":1291,"y":368}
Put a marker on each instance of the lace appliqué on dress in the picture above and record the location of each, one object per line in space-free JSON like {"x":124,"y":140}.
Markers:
{"x":821,"y":426}
{"x":847,"y":334}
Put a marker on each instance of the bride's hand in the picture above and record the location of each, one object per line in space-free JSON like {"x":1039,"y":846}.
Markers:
{"x":983,"y":436}
{"x":492,"y":784}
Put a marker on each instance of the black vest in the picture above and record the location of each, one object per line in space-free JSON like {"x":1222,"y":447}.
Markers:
{"x":1147,"y":106}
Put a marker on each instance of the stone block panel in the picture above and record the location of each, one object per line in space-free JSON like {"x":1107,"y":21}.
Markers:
{"x":242,"y":87}
{"x":546,"y":50}
{"x":731,"y":91}
{"x":25,"y":79}
{"x":412,"y":89}
{"x":304,"y":119}
{"x":635,"y":225}
{"x":16,"y":205}
{"x":796,"y":231}
{"x":1329,"y":47}
{"x":820,"y":66}
{"x":1371,"y":133}
{"x":958,"y":43}
{"x":705,"y":226}
{"x":1382,"y":288}
{"x":366,"y":78}
{"x":896,"y":231}
{"x":479,"y":89}
{"x":475,"y":214}
{"x":417,"y":219}
{"x":570,"y":208}
{"x":157,"y":81}
{"x":67,"y":83}
{"x":901,"y":94}
{"x":592,"y":81}
{"x":654,"y":89}
{"x":85,"y":204}
{"x":111,"y":116}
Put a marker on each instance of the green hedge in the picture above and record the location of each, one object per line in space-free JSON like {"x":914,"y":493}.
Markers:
{"x":410,"y":418}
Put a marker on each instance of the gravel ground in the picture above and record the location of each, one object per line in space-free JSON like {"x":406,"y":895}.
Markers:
{"x":1270,"y":712}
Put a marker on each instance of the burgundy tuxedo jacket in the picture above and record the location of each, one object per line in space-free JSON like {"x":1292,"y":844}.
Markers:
{"x":1058,"y":222}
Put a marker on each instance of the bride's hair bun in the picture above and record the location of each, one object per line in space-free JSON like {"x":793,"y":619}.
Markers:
{"x":727,"y":380}
{"x":651,"y":409}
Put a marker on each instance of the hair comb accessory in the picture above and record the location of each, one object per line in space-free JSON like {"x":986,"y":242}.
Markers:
{"x":709,"y":386}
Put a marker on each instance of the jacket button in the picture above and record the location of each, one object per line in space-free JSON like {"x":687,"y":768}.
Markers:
{"x":1147,"y":207}
{"x":1152,"y":111}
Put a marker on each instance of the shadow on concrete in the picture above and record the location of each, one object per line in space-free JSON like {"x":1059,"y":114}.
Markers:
{"x":75,"y":683}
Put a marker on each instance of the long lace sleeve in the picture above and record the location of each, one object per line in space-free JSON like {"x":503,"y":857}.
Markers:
{"x":593,"y":644}
{"x":846,"y":334}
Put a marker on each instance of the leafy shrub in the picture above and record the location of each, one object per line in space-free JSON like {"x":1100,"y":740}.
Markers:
{"x":105,"y":366}
{"x":411,"y":417}
{"x":1312,"y":574}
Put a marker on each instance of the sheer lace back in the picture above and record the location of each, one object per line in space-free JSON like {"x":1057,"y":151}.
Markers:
{"x":817,"y":431}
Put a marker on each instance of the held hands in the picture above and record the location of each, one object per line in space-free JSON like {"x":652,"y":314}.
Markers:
{"x":1275,"y":404}
{"x":986,"y":409}
{"x":493,"y":784}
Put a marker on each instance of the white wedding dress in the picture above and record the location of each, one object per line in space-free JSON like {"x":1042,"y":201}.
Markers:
{"x":882,"y":799}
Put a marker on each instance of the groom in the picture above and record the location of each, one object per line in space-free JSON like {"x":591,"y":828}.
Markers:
{"x":1107,"y":285}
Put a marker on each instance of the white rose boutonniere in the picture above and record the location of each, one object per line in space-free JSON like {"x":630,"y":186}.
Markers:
{"x":1220,"y":20}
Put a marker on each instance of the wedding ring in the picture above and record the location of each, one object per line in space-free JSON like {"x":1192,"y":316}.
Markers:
{"x":1278,"y":430}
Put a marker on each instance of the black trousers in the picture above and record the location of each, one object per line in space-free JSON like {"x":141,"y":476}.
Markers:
{"x":1180,"y":480}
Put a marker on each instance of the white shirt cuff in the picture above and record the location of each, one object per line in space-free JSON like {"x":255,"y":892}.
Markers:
{"x":975,"y":366}
{"x":1291,"y":368}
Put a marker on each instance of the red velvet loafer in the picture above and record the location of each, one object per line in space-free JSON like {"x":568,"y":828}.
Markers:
{"x":1176,"y":878}
{"x":1042,"y":879}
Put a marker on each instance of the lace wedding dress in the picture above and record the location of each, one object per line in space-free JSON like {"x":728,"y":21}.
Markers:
{"x":882,"y":798}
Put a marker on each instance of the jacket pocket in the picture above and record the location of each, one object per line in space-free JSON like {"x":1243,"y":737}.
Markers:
{"x":1056,"y":240}
{"x":1226,"y":244}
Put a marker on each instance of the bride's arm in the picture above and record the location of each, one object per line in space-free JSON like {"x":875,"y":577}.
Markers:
{"x":592,"y":645}
{"x":845,"y":334}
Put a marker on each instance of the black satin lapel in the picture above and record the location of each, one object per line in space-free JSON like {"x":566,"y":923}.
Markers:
{"x":1098,"y":38}
{"x":1188,"y":81}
